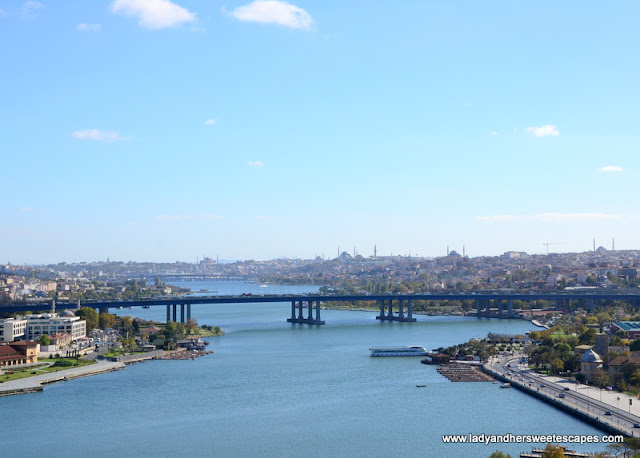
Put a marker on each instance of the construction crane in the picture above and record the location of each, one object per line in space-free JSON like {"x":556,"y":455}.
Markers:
{"x":553,"y":243}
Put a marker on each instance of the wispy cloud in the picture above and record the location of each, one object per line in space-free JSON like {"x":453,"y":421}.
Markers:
{"x":31,"y":8}
{"x":611,"y":168}
{"x":210,"y":122}
{"x":154,"y":14}
{"x":97,"y":134}
{"x":550,"y":217}
{"x":575,"y":217}
{"x":544,"y":131}
{"x":494,"y":133}
{"x":255,"y":164}
{"x":89,"y":27}
{"x":201,"y":217}
{"x":274,"y":12}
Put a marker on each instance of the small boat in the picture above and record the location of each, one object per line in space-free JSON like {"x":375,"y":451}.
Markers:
{"x":505,"y":385}
{"x":495,"y":382}
{"x":145,"y":306}
{"x":421,"y":386}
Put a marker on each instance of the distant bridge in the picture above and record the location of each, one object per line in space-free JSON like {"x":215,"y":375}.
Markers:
{"x":502,"y":303}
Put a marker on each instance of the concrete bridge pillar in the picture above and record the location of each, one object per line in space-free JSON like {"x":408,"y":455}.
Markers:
{"x":182,"y":313}
{"x":401,"y":309}
{"x":510,"y":307}
{"x":293,"y":310}
{"x":188,"y":312}
{"x":591,"y":303}
{"x":390,"y":315}
{"x":500,"y":308}
{"x":410,"y":309}
{"x":310,"y":311}
{"x":175,"y":314}
{"x":381,"y":303}
{"x":318,"y":311}
{"x":168,"y":312}
{"x":478,"y":308}
{"x":488,"y":309}
{"x":300,"y":317}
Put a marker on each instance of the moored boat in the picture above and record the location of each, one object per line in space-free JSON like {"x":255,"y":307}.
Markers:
{"x":416,"y":350}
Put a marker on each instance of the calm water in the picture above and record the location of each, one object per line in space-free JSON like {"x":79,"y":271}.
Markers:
{"x":277,"y":389}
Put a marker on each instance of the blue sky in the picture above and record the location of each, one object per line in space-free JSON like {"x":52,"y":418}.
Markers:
{"x":157,"y":130}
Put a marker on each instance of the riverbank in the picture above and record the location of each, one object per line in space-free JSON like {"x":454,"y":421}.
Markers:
{"x":587,"y":403}
{"x":36,"y":383}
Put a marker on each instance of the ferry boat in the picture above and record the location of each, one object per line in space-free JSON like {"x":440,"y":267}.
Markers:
{"x":415,"y":350}
{"x":505,"y":385}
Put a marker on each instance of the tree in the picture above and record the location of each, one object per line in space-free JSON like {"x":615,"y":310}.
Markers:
{"x":90,"y":316}
{"x":600,"y":378}
{"x":106,"y":320}
{"x":191,"y":326}
{"x":553,"y":451}
{"x":44,"y":340}
{"x":499,"y":454}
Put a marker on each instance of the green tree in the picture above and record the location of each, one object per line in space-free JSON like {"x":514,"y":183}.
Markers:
{"x":553,"y":451}
{"x":191,"y":326}
{"x":600,"y":378}
{"x":499,"y":454}
{"x":44,"y":340}
{"x":106,"y":320}
{"x":635,"y":345}
{"x":90,"y":316}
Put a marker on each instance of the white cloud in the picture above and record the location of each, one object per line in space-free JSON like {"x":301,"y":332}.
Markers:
{"x":255,"y":164}
{"x":201,"y":217}
{"x":209,"y":122}
{"x":611,"y":168}
{"x":494,"y":133}
{"x":89,"y":27}
{"x":575,"y":217}
{"x":544,"y":131}
{"x":154,"y":14}
{"x":96,"y":134}
{"x":550,"y":217}
{"x":31,"y":8}
{"x":274,"y":12}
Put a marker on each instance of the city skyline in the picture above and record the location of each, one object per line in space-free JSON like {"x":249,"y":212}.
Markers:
{"x":155,"y":130}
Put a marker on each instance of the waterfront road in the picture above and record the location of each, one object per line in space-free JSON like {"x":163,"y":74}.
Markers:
{"x":37,"y":381}
{"x":613,"y":409}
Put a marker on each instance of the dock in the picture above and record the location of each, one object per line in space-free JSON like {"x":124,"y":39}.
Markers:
{"x":463,"y":373}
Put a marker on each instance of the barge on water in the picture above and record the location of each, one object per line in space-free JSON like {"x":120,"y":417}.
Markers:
{"x":415,"y":350}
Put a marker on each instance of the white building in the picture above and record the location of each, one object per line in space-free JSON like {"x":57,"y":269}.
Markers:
{"x":12,"y":329}
{"x":52,"y":323}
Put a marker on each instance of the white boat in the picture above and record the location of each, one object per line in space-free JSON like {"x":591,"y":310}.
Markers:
{"x":505,"y":385}
{"x":415,"y":350}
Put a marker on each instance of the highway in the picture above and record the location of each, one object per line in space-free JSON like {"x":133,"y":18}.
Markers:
{"x":609,"y":409}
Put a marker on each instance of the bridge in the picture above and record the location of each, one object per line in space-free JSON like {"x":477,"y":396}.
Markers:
{"x":485,"y":301}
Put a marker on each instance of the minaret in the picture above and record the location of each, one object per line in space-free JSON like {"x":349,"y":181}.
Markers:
{"x":613,"y":244}
{"x":463,"y":251}
{"x":375,"y":251}
{"x":594,"y":244}
{"x":447,"y":250}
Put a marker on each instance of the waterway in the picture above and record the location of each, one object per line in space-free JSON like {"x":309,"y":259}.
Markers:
{"x":277,"y":389}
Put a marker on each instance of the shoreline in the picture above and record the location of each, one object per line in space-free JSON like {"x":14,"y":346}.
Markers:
{"x":37,"y":383}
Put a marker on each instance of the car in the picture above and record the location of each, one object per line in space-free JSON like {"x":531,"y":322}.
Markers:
{"x":508,"y":365}
{"x":566,"y":388}
{"x":561,"y":395}
{"x":542,"y":385}
{"x":636,"y":425}
{"x":607,"y":412}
